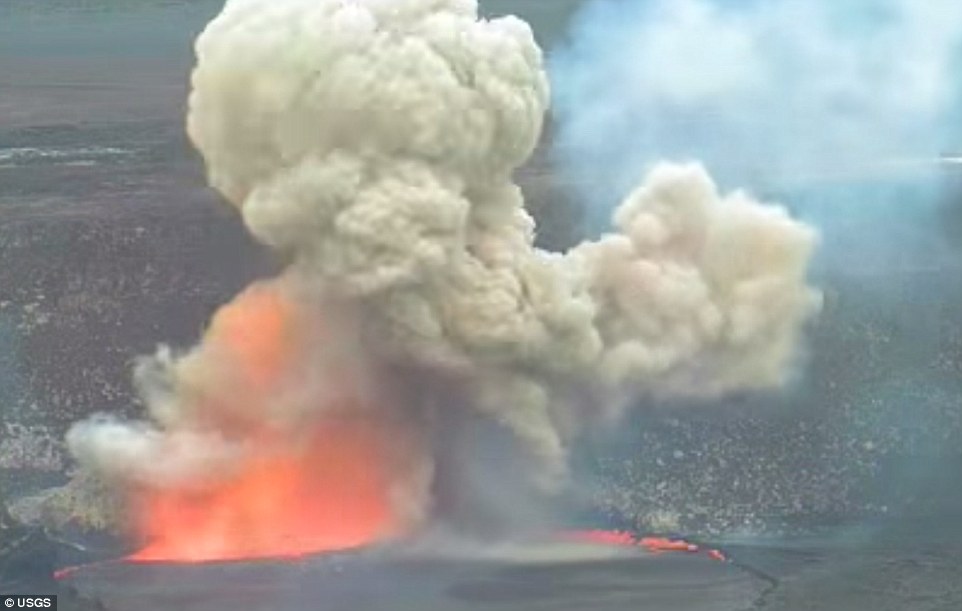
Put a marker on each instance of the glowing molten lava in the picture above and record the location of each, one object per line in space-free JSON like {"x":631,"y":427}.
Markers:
{"x":655,"y":545}
{"x":321,"y":484}
{"x":333,"y":494}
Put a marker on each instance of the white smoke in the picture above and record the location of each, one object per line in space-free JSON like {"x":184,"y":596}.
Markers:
{"x":374,"y":142}
{"x":768,"y":94}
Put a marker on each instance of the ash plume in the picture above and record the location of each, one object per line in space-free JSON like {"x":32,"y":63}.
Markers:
{"x":373,"y":142}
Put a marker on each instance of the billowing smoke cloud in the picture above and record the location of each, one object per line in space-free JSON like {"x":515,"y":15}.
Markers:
{"x":772,"y":95}
{"x":373,"y":142}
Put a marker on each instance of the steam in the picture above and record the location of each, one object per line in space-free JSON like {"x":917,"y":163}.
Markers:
{"x":768,"y":94}
{"x":373,"y":142}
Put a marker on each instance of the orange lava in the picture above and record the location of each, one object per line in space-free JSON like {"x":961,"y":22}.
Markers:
{"x":298,"y":491}
{"x":284,"y":502}
{"x":652,"y":544}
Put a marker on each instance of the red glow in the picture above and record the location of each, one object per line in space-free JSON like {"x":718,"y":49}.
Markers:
{"x":320,"y":489}
{"x":331,"y":495}
{"x":652,"y":544}
{"x":602,"y":537}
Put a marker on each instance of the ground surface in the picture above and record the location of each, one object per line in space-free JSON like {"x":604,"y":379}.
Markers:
{"x":880,"y":568}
